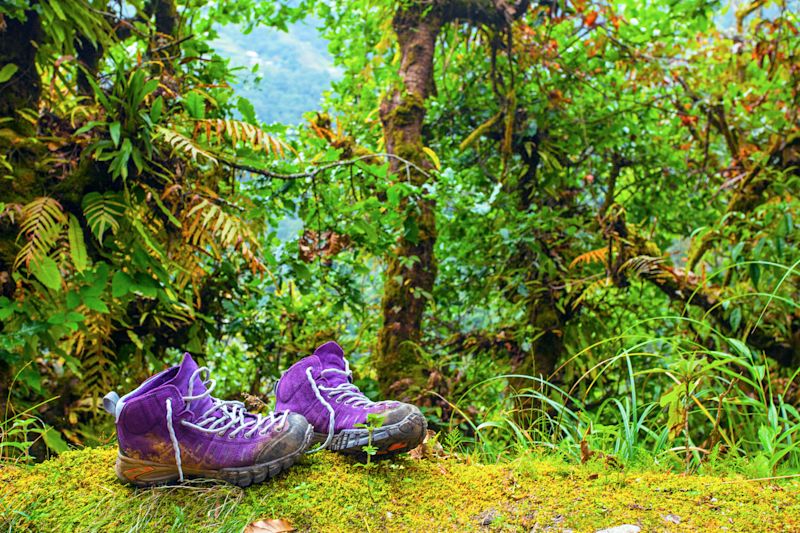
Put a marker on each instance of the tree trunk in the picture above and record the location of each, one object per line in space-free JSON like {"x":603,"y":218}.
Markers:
{"x":407,"y":282}
{"x":402,"y":114}
{"x":167,"y":17}
{"x":18,"y":45}
{"x":541,"y":309}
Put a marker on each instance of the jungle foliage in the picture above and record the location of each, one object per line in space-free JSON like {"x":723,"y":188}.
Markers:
{"x":565,"y":225}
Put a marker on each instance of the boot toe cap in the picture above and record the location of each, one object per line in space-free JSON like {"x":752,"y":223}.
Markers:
{"x":394,"y":414}
{"x":292,"y":438}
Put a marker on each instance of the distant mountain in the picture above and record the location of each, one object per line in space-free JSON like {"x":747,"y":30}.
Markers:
{"x":292,"y":70}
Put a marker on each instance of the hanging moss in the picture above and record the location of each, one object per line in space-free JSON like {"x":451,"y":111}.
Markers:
{"x":79,"y":492}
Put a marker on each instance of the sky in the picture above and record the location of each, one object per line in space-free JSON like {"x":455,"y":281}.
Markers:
{"x":293,"y":69}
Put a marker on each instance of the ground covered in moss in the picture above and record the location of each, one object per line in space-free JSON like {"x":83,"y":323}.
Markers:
{"x":78,"y":491}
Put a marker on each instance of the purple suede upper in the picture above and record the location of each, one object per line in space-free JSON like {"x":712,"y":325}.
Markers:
{"x":296,"y":394}
{"x":142,"y":425}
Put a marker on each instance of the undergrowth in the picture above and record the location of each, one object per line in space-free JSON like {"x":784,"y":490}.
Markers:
{"x":78,"y":491}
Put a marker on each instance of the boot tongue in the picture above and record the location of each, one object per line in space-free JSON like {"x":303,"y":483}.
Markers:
{"x":331,"y":356}
{"x":182,"y":380}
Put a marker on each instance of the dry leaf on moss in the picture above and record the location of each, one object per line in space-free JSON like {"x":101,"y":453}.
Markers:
{"x":276,"y":525}
{"x":429,"y":448}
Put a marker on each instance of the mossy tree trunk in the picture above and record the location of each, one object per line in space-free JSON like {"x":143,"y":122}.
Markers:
{"x":406,"y":281}
{"x":543,"y":307}
{"x":411,"y":267}
{"x":18,"y":44}
{"x":19,"y":41}
{"x":167,"y":17}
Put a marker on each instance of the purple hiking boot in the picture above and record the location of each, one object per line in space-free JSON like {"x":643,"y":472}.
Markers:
{"x":319,"y":387}
{"x":171,"y":428}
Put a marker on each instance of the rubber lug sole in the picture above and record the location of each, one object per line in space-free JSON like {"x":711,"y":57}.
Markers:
{"x":390,"y":440}
{"x":142,"y":473}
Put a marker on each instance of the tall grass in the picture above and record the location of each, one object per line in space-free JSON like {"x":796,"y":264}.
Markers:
{"x":682,"y":399}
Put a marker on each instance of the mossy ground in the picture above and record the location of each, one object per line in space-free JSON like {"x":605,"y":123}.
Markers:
{"x":78,"y":491}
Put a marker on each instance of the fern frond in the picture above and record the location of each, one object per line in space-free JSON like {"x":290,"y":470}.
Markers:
{"x":236,"y":131}
{"x":103,"y":212}
{"x":97,"y":362}
{"x":183,"y":145}
{"x":213,"y":226}
{"x":209,"y":227}
{"x":42,"y":223}
{"x":642,"y":264}
{"x":595,"y":285}
{"x":599,"y":255}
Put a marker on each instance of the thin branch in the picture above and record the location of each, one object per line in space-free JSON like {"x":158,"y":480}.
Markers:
{"x":320,"y":169}
{"x":171,"y":44}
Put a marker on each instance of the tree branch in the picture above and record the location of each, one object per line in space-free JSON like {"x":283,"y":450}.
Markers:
{"x":317,"y":170}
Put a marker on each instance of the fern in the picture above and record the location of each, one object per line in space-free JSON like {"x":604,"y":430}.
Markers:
{"x":592,"y":287}
{"x":42,"y":223}
{"x":184,"y":145}
{"x":593,"y":256}
{"x":103,"y":212}
{"x":207,"y":226}
{"x":98,"y":354}
{"x":453,"y":441}
{"x":236,"y":131}
{"x":643,"y":264}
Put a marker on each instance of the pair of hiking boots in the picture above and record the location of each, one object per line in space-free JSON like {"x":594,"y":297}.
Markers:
{"x":171,"y":428}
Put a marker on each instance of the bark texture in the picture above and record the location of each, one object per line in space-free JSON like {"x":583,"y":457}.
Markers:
{"x":417,"y":24}
{"x":17,"y":46}
{"x":403,"y":114}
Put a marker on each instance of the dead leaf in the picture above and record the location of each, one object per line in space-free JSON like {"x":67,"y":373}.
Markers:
{"x":275,"y":525}
{"x":429,"y":448}
{"x":326,"y":244}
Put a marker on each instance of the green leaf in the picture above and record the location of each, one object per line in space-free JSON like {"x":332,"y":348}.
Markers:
{"x":247,"y":110}
{"x":735,"y":318}
{"x":7,"y":71}
{"x":195,"y":105}
{"x":54,"y":441}
{"x":114,"y":130}
{"x":46,"y":271}
{"x":95,"y":304}
{"x":72,"y":316}
{"x":102,"y":212}
{"x":77,"y":246}
{"x":150,"y":86}
{"x":7,"y":308}
{"x":755,"y":273}
{"x":135,"y":339}
{"x":58,"y":11}
{"x":155,"y":110}
{"x":120,"y":284}
{"x":740,"y":347}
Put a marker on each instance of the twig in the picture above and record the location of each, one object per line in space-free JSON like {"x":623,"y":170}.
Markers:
{"x":315,"y":171}
{"x":171,"y":44}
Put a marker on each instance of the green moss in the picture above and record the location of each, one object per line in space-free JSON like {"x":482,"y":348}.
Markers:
{"x":78,"y":491}
{"x":409,"y":109}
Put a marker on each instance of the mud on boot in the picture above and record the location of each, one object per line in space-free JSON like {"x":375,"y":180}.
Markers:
{"x":171,"y":429}
{"x":320,"y":388}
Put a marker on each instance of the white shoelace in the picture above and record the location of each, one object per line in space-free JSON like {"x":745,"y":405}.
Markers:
{"x":232,"y":415}
{"x":346,"y":393}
